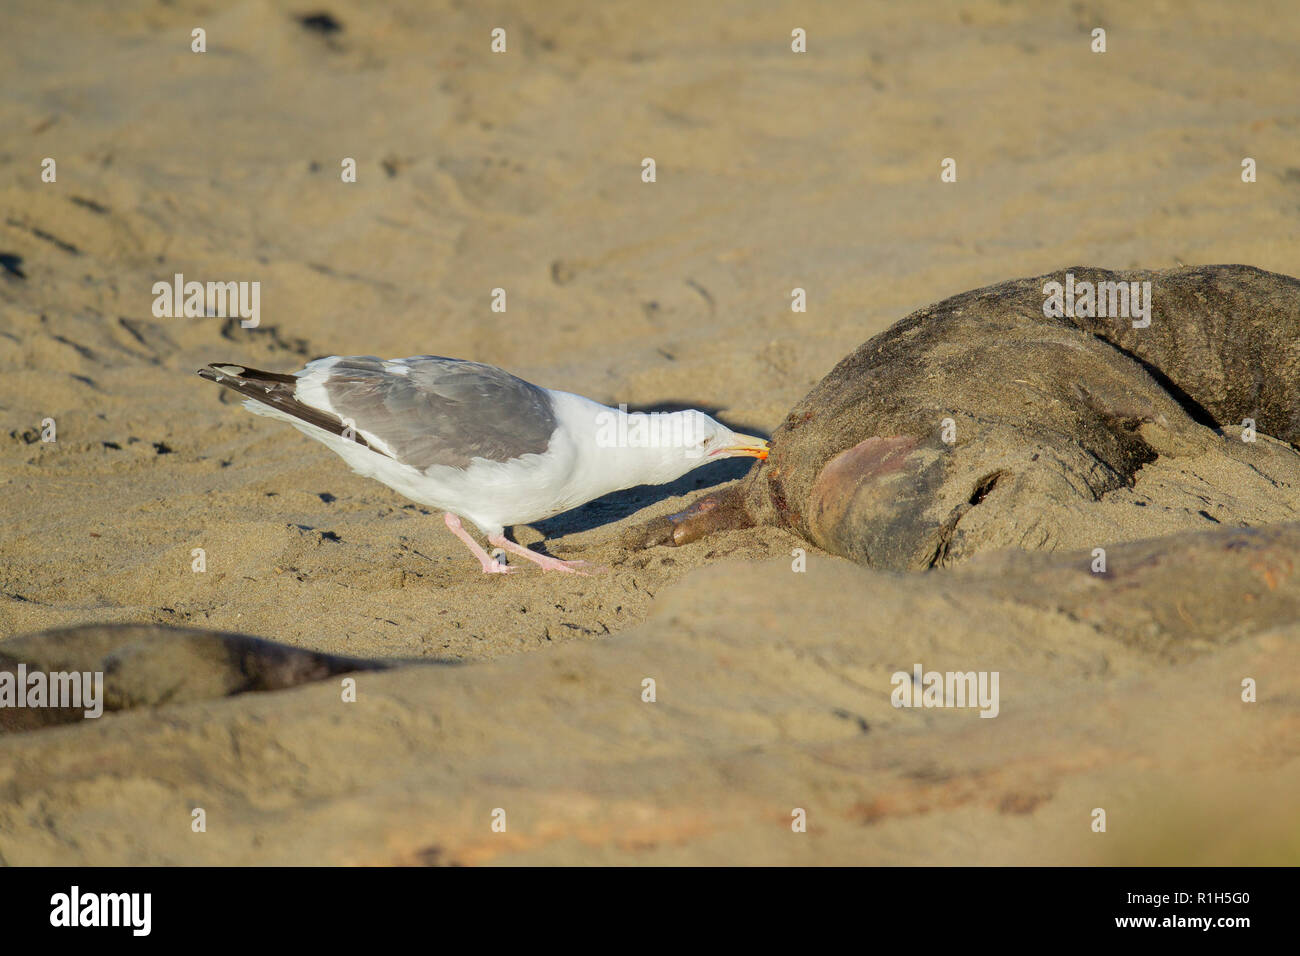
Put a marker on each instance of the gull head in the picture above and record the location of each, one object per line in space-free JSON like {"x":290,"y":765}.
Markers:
{"x":667,"y":445}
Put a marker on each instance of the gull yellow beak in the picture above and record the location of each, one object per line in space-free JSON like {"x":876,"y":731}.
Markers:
{"x":744,"y":446}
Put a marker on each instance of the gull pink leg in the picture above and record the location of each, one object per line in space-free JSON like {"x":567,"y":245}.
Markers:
{"x":484,"y":559}
{"x":546,"y":563}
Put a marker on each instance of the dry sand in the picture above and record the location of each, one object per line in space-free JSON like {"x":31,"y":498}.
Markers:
{"x":522,"y":171}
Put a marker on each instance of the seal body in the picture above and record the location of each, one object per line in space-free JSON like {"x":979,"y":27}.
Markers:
{"x":992,"y":420}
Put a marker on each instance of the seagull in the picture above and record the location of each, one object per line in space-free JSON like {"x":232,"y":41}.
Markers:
{"x":479,"y":444}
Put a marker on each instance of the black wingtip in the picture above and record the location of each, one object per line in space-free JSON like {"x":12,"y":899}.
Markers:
{"x":222,"y":368}
{"x":275,"y":390}
{"x":216,"y":371}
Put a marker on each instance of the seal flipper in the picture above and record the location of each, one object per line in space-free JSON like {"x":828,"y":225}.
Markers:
{"x":716,"y":511}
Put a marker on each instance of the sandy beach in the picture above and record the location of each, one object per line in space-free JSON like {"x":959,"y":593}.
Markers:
{"x":522,"y":171}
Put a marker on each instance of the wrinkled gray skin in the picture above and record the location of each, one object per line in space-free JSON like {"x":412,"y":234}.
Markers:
{"x":1047,"y":411}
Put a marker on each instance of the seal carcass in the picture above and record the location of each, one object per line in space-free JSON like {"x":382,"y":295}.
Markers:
{"x":991,"y":420}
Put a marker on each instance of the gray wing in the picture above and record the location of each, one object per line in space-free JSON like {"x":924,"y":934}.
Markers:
{"x":440,"y":411}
